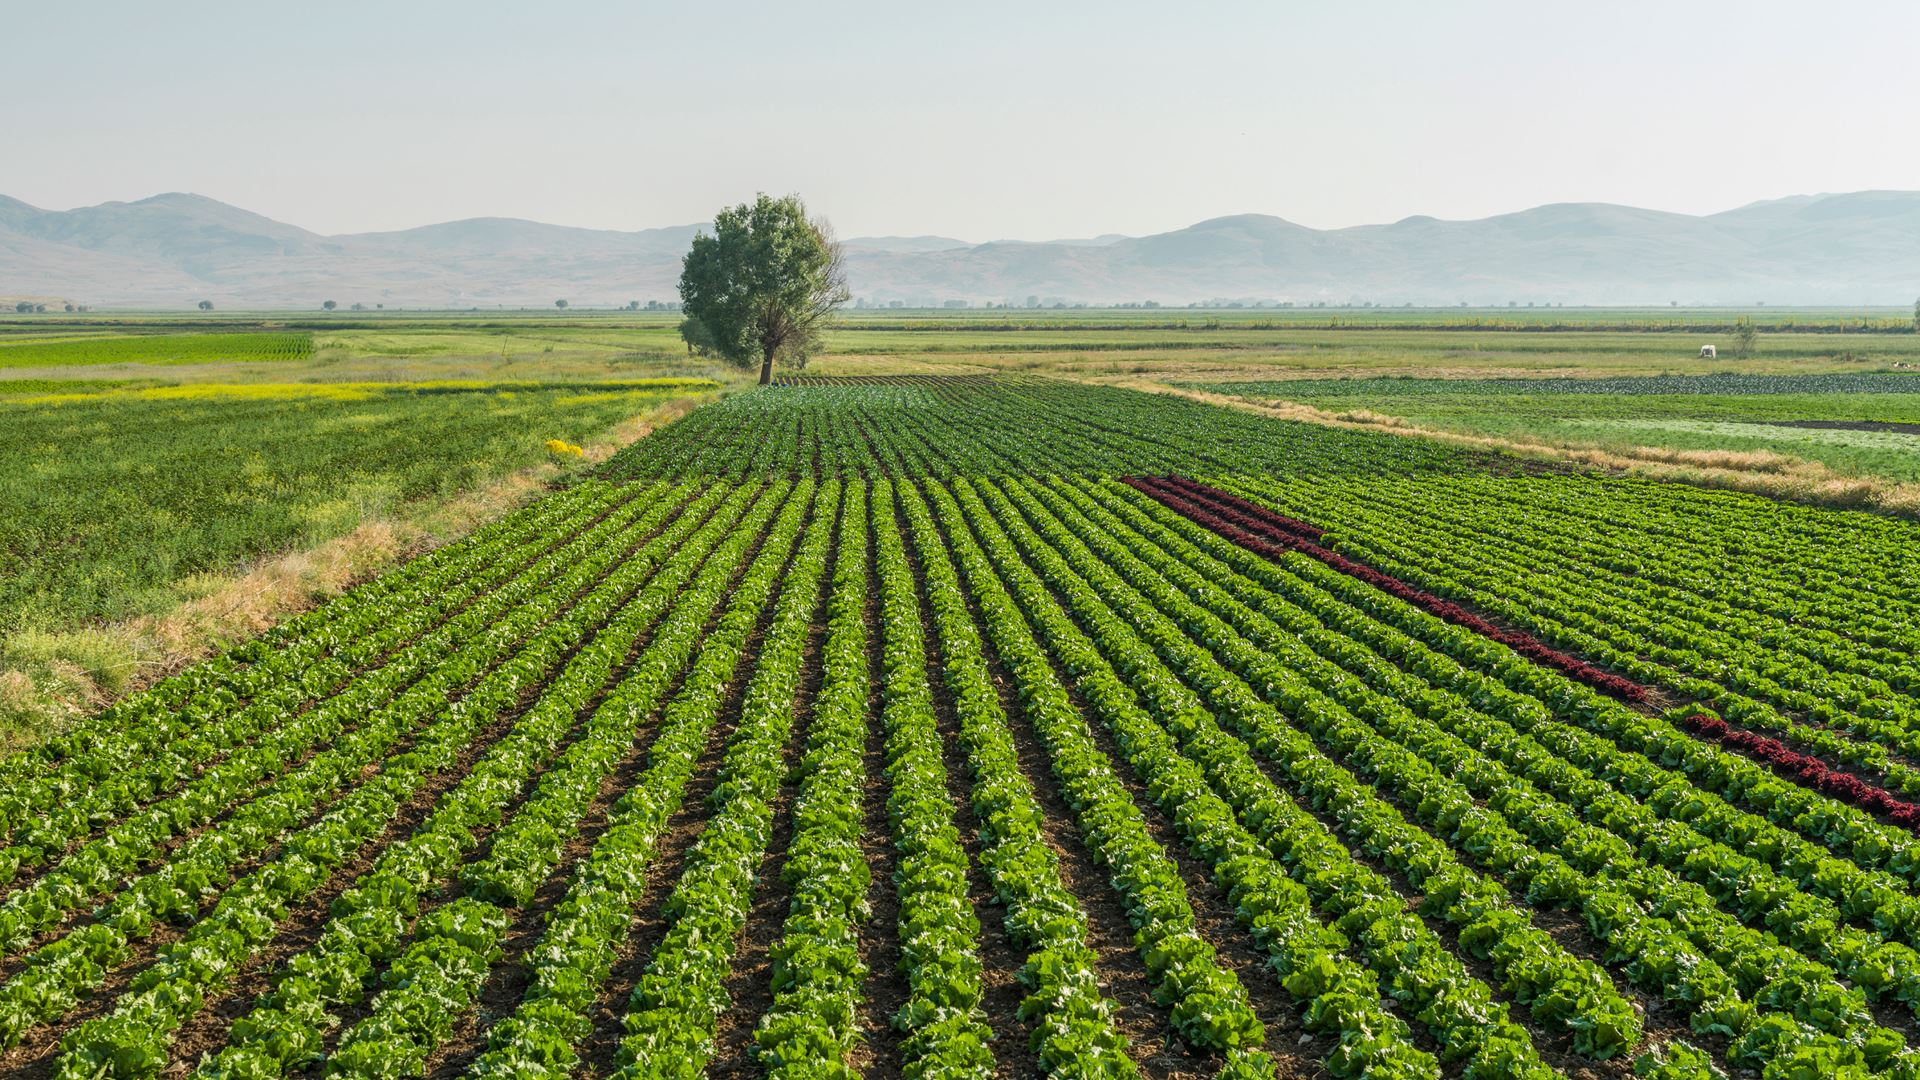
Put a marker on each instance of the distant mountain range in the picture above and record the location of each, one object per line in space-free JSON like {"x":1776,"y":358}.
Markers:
{"x":173,"y":250}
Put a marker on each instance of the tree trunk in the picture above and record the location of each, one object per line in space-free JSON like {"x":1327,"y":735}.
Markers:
{"x":766,"y":368}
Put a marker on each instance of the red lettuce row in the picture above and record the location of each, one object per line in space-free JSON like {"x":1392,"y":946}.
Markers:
{"x":1266,"y":538}
{"x":1803,"y":768}
{"x":1252,"y":509}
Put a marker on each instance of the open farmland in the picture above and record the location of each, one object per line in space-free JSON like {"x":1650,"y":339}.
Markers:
{"x":1857,"y":424}
{"x":172,"y":485}
{"x":112,"y":495}
{"x":994,"y":727}
{"x":241,"y":347}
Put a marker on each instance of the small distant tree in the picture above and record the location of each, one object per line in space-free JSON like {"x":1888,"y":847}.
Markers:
{"x":1916,"y":316}
{"x":206,"y":305}
{"x":763,"y":285}
{"x":40,"y":308}
{"x":69,"y":307}
{"x":1744,"y":336}
{"x":634,"y":305}
{"x":328,"y":306}
{"x":24,"y":307}
{"x":358,"y":306}
{"x":561,"y":304}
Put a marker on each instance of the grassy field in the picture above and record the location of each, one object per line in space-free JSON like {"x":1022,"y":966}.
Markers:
{"x":109,"y":500}
{"x":162,"y":489}
{"x":1785,"y":415}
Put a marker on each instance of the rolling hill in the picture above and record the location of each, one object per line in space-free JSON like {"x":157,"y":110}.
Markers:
{"x":174,"y":249}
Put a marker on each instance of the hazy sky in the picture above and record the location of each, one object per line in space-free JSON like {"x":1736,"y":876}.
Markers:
{"x":976,"y":120}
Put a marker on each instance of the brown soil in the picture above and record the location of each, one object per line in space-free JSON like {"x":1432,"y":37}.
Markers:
{"x":206,"y":1032}
{"x":598,"y":1052}
{"x":877,"y":1054}
{"x":750,"y":983}
{"x":1000,"y":957}
{"x":1296,"y":1053}
{"x":1661,"y":1022}
{"x":507,"y":981}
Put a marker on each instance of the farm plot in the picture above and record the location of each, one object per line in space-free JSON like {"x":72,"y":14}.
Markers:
{"x":1857,"y":424}
{"x":239,"y":347}
{"x":975,"y":728}
{"x":110,"y":497}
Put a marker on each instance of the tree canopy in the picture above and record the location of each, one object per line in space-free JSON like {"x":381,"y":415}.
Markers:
{"x":761,"y":287}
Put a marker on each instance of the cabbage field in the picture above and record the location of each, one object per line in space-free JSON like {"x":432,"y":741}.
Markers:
{"x":974,"y":726}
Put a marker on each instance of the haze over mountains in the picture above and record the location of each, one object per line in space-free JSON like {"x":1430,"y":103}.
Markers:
{"x":172,"y":250}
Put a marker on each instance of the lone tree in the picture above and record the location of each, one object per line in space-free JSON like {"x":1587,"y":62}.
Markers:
{"x":1743,"y":338}
{"x":328,"y":306}
{"x":206,"y":305}
{"x":561,"y":304}
{"x":761,"y":287}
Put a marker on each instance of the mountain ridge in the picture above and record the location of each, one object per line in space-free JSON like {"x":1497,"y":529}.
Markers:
{"x":176,"y":248}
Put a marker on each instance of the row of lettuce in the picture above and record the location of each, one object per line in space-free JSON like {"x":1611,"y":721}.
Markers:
{"x":1812,"y":639}
{"x":1321,"y":752}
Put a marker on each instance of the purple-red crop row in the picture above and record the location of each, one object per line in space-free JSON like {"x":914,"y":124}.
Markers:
{"x":1268,"y":533}
{"x":1194,"y":489}
{"x":1804,"y":769}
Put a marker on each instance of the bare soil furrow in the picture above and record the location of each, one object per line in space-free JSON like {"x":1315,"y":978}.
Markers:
{"x":879,"y":1055}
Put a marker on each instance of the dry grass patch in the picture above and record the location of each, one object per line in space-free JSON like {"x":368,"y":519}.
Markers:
{"x":1757,"y":472}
